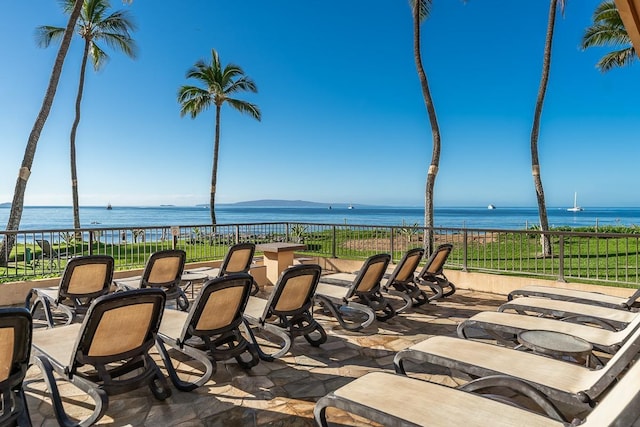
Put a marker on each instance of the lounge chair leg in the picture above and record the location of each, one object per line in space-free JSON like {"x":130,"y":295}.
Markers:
{"x":408,"y":302}
{"x":398,"y":364}
{"x":335,"y":311}
{"x":99,"y":396}
{"x":24,"y":420}
{"x":210,"y":368}
{"x":316,"y":342}
{"x":320,"y":412}
{"x":159,"y":386}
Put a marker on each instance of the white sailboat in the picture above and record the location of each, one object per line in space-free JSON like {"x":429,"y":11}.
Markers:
{"x":575,"y":207}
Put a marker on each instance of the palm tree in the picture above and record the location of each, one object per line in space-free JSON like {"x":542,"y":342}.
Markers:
{"x":219,"y":84}
{"x":94,"y":26}
{"x":17,"y":204}
{"x":535,"y":130}
{"x":608,"y":30}
{"x":421,"y":10}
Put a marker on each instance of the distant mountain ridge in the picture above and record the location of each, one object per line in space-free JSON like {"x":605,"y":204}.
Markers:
{"x":279,"y":203}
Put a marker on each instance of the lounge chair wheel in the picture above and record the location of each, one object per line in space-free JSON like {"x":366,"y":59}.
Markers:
{"x":421,"y":298}
{"x":160,"y":388}
{"x":451,"y":291}
{"x":253,"y":360}
{"x":255,"y":288}
{"x":388,"y":311}
{"x":182,"y":302}
{"x":316,"y":342}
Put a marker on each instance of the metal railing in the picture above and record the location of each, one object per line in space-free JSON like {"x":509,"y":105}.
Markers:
{"x":576,"y":256}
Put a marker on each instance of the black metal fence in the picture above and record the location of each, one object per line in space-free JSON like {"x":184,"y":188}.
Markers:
{"x":592,"y":257}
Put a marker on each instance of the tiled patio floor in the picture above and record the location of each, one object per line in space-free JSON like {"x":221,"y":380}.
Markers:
{"x":280,"y":393}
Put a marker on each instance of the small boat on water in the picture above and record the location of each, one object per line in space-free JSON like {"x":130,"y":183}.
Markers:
{"x":350,"y":206}
{"x":109,"y":206}
{"x":575,"y":207}
{"x":491,"y":207}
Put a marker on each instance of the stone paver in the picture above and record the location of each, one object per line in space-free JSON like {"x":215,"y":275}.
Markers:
{"x":279,"y":393}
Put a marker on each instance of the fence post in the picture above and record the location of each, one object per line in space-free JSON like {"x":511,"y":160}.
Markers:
{"x":287,"y":238}
{"x":392,"y":242}
{"x":561,"y":259}
{"x":237,"y":237}
{"x":465,"y":250}
{"x":333,"y":243}
{"x":90,"y":242}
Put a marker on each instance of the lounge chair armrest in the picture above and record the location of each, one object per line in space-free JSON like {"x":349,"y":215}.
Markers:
{"x":582,"y":319}
{"x":519,"y":386}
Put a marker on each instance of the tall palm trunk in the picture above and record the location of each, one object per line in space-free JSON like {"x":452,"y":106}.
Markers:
{"x":214,"y":171}
{"x":17,"y":204}
{"x":535,"y":163}
{"x":435,"y":131}
{"x":72,"y":146}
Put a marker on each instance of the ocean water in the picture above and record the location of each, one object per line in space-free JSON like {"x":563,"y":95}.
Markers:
{"x":45,"y":218}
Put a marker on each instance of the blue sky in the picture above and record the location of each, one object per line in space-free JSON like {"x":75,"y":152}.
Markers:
{"x":343,"y":118}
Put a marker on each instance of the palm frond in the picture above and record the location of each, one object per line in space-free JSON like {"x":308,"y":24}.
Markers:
{"x":619,"y":58}
{"x":98,"y":56}
{"x":245,"y":107}
{"x":122,"y":42}
{"x":119,"y":21}
{"x":242,"y":84}
{"x":608,"y":31}
{"x":599,"y":35}
{"x":424,"y":8}
{"x":46,"y":34}
{"x":193,"y":100}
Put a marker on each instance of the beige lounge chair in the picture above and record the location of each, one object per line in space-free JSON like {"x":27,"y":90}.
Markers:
{"x":402,"y":281}
{"x":287,"y":313}
{"x":393,"y":400}
{"x":432,"y":274}
{"x":560,"y":381}
{"x":15,"y":348}
{"x":106,"y":354}
{"x":210,"y":330}
{"x":362,"y":297}
{"x":238,"y":259}
{"x":83,"y":280}
{"x":505,"y":327}
{"x":583,"y":297}
{"x":615,"y":318}
{"x":49,"y":253}
{"x":163,"y":270}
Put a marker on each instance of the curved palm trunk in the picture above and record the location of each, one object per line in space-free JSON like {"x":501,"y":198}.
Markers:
{"x":535,"y":163}
{"x":72,"y":146}
{"x":435,"y":131}
{"x":17,"y":204}
{"x":214,"y":171}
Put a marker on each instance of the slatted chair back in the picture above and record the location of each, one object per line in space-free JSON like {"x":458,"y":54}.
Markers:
{"x":164,"y":269}
{"x":238,"y":259}
{"x":435,"y":263}
{"x":219,"y":306}
{"x":293,"y":293}
{"x":407,"y":266}
{"x":119,"y":326}
{"x":370,"y":275}
{"x":47,"y":249}
{"x":85,"y":278}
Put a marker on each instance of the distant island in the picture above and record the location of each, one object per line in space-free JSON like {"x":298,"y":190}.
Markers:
{"x":276,"y":203}
{"x":5,"y":205}
{"x":279,"y":203}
